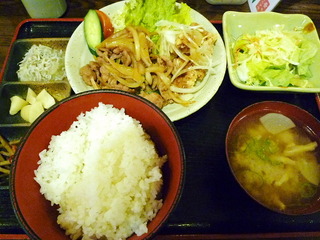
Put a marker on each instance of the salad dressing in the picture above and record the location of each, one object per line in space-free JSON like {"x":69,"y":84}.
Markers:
{"x":309,"y":28}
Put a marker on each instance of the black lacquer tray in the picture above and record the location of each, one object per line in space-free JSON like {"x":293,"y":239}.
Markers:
{"x":212,"y":203}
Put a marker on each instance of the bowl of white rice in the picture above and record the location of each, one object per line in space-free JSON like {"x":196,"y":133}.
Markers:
{"x":101,"y":164}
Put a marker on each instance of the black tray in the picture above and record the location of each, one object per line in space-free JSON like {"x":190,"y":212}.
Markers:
{"x":212,"y":202}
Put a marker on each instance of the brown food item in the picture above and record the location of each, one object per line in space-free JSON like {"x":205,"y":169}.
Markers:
{"x":128,"y":60}
{"x":7,"y":151}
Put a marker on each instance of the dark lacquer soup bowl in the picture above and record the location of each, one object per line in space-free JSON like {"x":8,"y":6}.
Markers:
{"x":273,"y":150}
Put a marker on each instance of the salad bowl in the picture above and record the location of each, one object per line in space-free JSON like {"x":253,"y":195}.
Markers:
{"x":78,"y":55}
{"x":238,"y":24}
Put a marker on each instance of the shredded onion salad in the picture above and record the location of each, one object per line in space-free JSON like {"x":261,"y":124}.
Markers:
{"x":274,"y":57}
{"x":165,"y":66}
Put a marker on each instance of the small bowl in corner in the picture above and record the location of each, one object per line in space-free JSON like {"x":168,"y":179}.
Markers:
{"x":262,"y":164}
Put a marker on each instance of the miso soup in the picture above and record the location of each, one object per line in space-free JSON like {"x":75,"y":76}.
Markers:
{"x":280,"y":170}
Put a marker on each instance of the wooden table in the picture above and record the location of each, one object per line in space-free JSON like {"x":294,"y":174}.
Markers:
{"x":12,"y":12}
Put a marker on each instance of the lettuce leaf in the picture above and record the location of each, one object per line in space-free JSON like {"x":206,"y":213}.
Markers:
{"x":147,"y":12}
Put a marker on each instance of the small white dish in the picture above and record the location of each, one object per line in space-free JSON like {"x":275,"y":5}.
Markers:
{"x":236,"y":24}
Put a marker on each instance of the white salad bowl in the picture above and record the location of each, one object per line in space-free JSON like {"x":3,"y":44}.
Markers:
{"x":78,"y":55}
{"x":235,"y":24}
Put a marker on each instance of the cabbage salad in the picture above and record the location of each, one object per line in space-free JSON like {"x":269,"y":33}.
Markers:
{"x":274,"y":57}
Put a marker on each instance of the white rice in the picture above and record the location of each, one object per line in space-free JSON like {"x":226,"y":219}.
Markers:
{"x":104,"y":173}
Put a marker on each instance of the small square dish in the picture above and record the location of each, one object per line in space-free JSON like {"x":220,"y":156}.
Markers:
{"x":58,"y":90}
{"x":37,"y":64}
{"x":268,"y":51}
{"x":21,"y":47}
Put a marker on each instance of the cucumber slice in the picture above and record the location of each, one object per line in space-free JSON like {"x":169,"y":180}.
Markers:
{"x":92,"y":30}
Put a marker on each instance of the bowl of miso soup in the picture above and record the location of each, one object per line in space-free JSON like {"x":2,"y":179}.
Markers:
{"x":273,"y":150}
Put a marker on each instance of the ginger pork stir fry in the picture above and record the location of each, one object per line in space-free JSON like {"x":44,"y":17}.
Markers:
{"x":166,"y":66}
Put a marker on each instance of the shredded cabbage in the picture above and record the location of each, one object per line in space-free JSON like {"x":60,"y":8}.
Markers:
{"x":274,"y":58}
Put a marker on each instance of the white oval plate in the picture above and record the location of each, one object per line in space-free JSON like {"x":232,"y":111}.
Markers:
{"x":78,"y":55}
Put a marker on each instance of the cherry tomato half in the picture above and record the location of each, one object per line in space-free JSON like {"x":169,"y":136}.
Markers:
{"x":106,"y":24}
